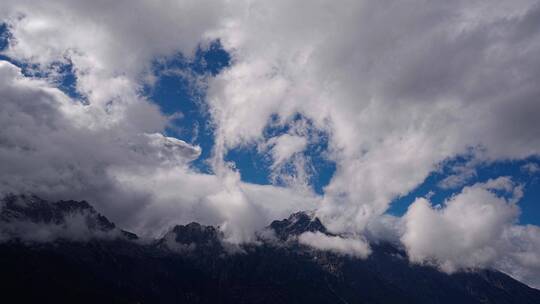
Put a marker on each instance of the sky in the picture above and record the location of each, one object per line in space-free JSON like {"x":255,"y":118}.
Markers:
{"x":410,"y":122}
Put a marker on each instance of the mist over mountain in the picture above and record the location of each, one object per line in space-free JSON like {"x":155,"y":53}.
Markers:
{"x":94,"y":261}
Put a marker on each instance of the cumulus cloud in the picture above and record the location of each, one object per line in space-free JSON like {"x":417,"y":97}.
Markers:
{"x":347,"y":246}
{"x":386,"y":228}
{"x":522,"y":258}
{"x":462,"y":233}
{"x":474,"y":229}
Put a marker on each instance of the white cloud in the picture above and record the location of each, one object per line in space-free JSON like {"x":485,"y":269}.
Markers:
{"x":522,"y":258}
{"x":347,"y":246}
{"x":387,"y":228}
{"x":180,"y":196}
{"x":79,"y":224}
{"x":171,"y":149}
{"x":474,"y":229}
{"x":530,"y":168}
{"x":74,"y":228}
{"x":289,"y":166}
{"x":461,"y":175}
{"x":283,"y":147}
{"x":462,"y":234}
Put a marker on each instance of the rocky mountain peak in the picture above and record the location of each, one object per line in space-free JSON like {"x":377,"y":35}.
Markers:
{"x":195,"y":233}
{"x":297,"y":224}
{"x":190,"y":237}
{"x":21,"y":214}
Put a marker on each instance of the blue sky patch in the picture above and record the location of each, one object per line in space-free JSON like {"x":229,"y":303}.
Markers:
{"x":254,"y":167}
{"x":517,"y":170}
{"x":179,"y":91}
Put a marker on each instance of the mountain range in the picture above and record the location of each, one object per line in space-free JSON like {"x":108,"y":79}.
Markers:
{"x":66,"y":251}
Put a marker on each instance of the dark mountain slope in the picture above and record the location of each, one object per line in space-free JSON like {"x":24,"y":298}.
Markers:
{"x":191,"y":265}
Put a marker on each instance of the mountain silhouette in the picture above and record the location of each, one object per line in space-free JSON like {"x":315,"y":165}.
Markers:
{"x":192,"y":264}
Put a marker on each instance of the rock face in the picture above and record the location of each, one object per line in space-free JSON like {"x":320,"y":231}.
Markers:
{"x":36,"y":210}
{"x":191,"y":264}
{"x":297,"y":224}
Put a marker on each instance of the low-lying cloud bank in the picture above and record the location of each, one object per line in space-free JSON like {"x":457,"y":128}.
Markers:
{"x":399,"y":87}
{"x":348,"y":246}
{"x":31,"y":219}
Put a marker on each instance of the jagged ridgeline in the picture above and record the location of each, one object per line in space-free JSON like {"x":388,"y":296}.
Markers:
{"x":60,"y":252}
